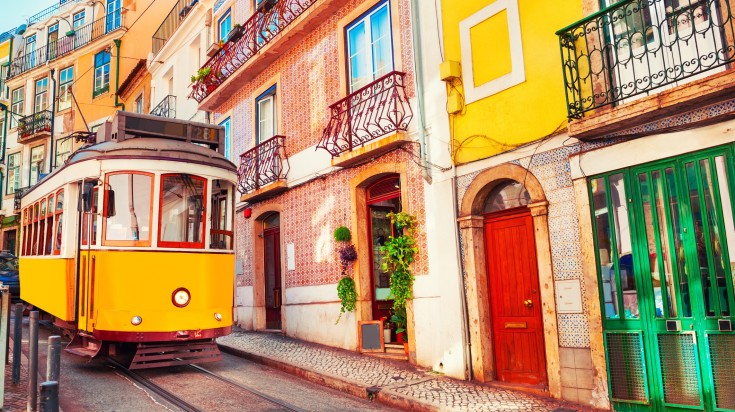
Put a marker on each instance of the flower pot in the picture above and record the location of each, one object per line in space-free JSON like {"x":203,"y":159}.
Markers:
{"x":235,"y":34}
{"x":405,"y":348}
{"x":399,"y":337}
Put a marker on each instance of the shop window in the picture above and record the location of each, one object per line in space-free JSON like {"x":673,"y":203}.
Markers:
{"x":182,"y":211}
{"x":128,"y":202}
{"x":369,"y":46}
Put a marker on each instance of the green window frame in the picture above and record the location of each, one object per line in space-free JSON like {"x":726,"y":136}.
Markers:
{"x":101,"y":73}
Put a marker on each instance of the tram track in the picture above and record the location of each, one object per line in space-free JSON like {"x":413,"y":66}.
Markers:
{"x":186,"y":406}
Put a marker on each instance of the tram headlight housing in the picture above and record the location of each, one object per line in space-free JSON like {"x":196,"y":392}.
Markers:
{"x":218,"y":316}
{"x":136,"y":320}
{"x":181,"y":297}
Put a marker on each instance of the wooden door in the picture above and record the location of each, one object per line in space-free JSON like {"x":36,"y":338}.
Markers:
{"x":518,"y":339}
{"x":272,"y":247}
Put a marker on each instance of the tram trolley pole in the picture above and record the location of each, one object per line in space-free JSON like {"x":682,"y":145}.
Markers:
{"x":4,"y":324}
{"x":17,"y":342}
{"x":33,"y":362}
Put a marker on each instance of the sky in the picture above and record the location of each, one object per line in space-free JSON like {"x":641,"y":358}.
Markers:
{"x":16,"y":12}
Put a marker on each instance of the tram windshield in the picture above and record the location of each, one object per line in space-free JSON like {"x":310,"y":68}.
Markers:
{"x":132,"y":203}
{"x":182,"y":211}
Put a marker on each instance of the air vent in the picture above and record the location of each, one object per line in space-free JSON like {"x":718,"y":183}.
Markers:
{"x":673,"y":325}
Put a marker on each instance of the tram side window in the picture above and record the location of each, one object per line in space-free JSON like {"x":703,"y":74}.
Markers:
{"x":89,"y":222}
{"x":183,"y":211}
{"x":36,"y":215}
{"x":127,"y":202}
{"x":221,"y":225}
{"x":49,"y":226}
{"x":58,"y":217}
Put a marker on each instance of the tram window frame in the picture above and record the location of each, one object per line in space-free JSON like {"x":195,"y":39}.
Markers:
{"x":89,"y":219}
{"x":58,"y":238}
{"x":23,"y":247}
{"x":134,"y":243}
{"x":49,"y":225}
{"x":226,"y":234}
{"x":34,"y":244}
{"x":203,"y":228}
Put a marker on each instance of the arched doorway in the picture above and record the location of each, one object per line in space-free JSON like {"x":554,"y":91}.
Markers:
{"x":272,"y":270}
{"x":382,"y":197}
{"x":513,"y":286}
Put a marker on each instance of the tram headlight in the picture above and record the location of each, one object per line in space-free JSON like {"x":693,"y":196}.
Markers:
{"x":218,"y":316}
{"x":180,"y":297}
{"x":136,"y":320}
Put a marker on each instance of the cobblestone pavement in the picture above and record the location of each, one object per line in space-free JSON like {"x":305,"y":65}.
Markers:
{"x":15,"y":395}
{"x":397,"y":380}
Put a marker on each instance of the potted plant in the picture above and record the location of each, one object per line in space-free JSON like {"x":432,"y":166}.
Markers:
{"x":398,"y":318}
{"x":386,"y":329}
{"x":214,"y":48}
{"x":236,"y":33}
{"x":346,"y":290}
{"x":201,"y":74}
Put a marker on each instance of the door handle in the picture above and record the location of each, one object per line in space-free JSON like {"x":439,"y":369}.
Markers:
{"x":528,"y":303}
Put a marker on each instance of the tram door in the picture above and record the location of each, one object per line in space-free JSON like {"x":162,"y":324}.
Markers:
{"x":272,"y":268}
{"x":87,"y":264}
{"x":668,"y":294}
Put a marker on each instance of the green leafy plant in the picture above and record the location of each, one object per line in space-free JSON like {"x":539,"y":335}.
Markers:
{"x":342,"y":234}
{"x":347,"y":294}
{"x":201,"y":74}
{"x":398,"y":318}
{"x":398,"y":255}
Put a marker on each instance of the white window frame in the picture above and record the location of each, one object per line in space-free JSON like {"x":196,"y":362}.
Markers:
{"x":368,"y":46}
{"x":65,"y":88}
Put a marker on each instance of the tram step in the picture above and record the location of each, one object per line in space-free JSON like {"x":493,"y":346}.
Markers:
{"x":156,"y":355}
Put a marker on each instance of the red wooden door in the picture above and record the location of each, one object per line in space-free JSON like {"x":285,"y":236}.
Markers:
{"x":271,"y":240}
{"x":518,"y":338}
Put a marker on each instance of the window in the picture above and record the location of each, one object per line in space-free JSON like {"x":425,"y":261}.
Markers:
{"x":225,"y":25}
{"x":128,"y":199}
{"x":369,"y":47}
{"x":89,"y":221}
{"x":13,"y":173}
{"x":101,"y":73}
{"x":265,"y":113}
{"x":506,"y":195}
{"x":63,"y":151}
{"x":37,"y":159}
{"x":183,"y":211}
{"x":17,"y":104}
{"x":221,"y":232}
{"x":114,"y":16}
{"x":30,"y":49}
{"x":80,"y":39}
{"x":139,"y":104}
{"x":53,"y":36}
{"x":66,"y":78}
{"x":58,"y":215}
{"x":78,"y":19}
{"x":227,"y":124}
{"x":40,"y":102}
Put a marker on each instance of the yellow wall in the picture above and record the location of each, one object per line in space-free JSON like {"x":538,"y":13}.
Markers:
{"x":525,"y":112}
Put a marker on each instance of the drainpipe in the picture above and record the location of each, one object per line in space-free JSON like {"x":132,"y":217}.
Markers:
{"x":419,"y":73}
{"x":117,"y":74}
{"x":52,"y":160}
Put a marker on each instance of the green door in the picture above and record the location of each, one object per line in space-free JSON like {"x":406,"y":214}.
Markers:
{"x":662,"y":233}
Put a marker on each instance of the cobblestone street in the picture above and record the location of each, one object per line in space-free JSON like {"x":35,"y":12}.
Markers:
{"x":398,"y":384}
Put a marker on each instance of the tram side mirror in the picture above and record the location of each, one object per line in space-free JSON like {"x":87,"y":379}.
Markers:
{"x":87,"y":196}
{"x":109,"y":203}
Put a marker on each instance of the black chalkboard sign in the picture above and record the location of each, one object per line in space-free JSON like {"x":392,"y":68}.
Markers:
{"x":370,"y":336}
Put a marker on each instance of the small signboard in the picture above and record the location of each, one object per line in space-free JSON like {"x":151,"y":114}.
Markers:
{"x":370,"y":336}
{"x":568,"y":296}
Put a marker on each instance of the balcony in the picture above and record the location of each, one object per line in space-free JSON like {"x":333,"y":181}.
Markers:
{"x":75,"y":39}
{"x":172,"y":22}
{"x":34,"y":126}
{"x":629,"y":54}
{"x":17,"y":196}
{"x":58,"y":7}
{"x":260,"y":41}
{"x":166,"y":108}
{"x":263,"y":169}
{"x":380,"y":109}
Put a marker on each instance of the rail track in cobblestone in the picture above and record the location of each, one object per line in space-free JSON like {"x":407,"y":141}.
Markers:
{"x":186,"y":405}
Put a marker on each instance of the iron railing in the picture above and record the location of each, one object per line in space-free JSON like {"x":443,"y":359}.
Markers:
{"x":263,"y":164}
{"x":31,"y":125}
{"x":166,"y":108}
{"x":245,"y":41}
{"x":58,"y":7}
{"x":81,"y":37}
{"x":8,"y":34}
{"x":637,"y":46}
{"x":172,"y":22}
{"x":371,"y":112}
{"x":17,"y":196}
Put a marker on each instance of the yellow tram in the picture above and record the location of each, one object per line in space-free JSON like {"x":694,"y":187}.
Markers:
{"x":129,"y":244}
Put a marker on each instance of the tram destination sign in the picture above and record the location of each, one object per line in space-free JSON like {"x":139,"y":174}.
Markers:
{"x":128,"y":125}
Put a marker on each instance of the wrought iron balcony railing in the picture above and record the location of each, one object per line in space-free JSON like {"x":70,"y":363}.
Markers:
{"x":56,"y":8}
{"x":30,"y":126}
{"x":17,"y":196}
{"x":172,"y":22}
{"x":245,"y":41}
{"x":374,"y":111}
{"x":263,"y":164}
{"x":78,"y":38}
{"x":166,"y":108}
{"x":636,"y":46}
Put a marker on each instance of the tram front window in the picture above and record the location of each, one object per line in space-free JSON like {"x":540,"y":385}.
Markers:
{"x":182,"y":211}
{"x":130,"y":225}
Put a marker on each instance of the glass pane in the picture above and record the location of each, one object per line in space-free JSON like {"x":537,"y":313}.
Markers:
{"x":381,"y":42}
{"x":506,"y":196}
{"x":624,"y":250}
{"x":182,"y":209}
{"x":132,"y":203}
{"x":655,"y":260}
{"x":604,"y":248}
{"x":271,"y":221}
{"x":727,"y":221}
{"x":380,"y":230}
{"x":678,"y":234}
{"x":357,"y":56}
{"x":699,"y":238}
{"x":664,"y":225}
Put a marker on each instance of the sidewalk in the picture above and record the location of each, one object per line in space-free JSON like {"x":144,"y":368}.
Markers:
{"x":397,"y":384}
{"x":16,"y":396}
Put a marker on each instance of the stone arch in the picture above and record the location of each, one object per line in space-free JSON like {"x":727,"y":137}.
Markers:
{"x":471,"y":223}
